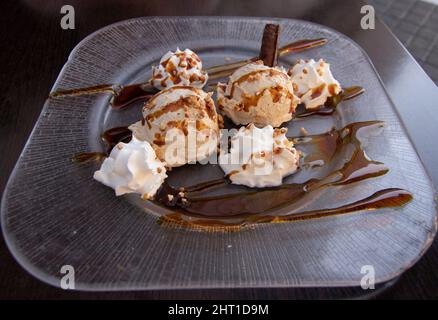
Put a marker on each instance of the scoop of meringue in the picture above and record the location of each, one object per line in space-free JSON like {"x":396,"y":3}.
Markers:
{"x":182,"y":68}
{"x":313,"y":82}
{"x":259,"y":157}
{"x":258,"y":94}
{"x":181,"y":124}
{"x":132,"y":168}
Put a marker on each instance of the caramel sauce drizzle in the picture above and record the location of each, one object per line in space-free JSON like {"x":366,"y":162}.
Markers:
{"x":232,"y":212}
{"x":251,"y":76}
{"x":331,"y":104}
{"x":125,"y":95}
{"x":386,"y":198}
{"x":131,"y":93}
{"x":110,"y":138}
{"x":293,"y":47}
{"x":85,"y":157}
{"x":255,"y":201}
{"x":122,"y":134}
{"x":113,"y":136}
{"x":122,"y":95}
{"x":101,"y":88}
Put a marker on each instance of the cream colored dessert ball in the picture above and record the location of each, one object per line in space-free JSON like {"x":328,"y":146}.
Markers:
{"x":181,"y":124}
{"x":258,"y":94}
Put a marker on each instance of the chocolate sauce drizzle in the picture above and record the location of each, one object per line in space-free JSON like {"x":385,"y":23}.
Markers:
{"x":331,"y":104}
{"x":297,"y":46}
{"x":122,"y":95}
{"x":122,"y":134}
{"x":115,"y":135}
{"x":132,"y":93}
{"x":110,"y":138}
{"x":386,"y":198}
{"x":126,"y":95}
{"x":192,"y":201}
{"x":101,"y":88}
{"x":194,"y":208}
{"x":232,"y":212}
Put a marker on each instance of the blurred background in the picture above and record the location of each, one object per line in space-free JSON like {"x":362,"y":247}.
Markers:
{"x":415,"y":23}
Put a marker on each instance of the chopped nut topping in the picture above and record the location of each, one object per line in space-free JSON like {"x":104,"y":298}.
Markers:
{"x":294,"y":85}
{"x":303,"y":131}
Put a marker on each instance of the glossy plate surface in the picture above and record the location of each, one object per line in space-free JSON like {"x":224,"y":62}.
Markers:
{"x":55,"y":214}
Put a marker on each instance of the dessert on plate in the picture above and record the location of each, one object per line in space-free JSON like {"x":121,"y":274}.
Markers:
{"x":180,"y":126}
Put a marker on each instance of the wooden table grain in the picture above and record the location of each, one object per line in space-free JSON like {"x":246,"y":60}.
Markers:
{"x":35,"y":47}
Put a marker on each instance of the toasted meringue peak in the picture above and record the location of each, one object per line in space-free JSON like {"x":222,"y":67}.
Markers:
{"x":181,"y":124}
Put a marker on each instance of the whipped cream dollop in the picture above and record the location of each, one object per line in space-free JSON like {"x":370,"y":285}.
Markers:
{"x":132,"y":168}
{"x":313,"y":82}
{"x":182,"y":68}
{"x":258,"y":94}
{"x":181,"y":124}
{"x":259,"y":157}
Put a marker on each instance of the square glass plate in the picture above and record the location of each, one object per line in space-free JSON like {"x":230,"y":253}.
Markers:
{"x":55,"y":214}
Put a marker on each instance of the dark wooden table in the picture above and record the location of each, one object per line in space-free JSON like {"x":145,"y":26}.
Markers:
{"x":34,"y":48}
